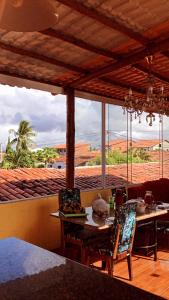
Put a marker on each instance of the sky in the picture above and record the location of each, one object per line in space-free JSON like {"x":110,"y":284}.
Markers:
{"x":47,"y":115}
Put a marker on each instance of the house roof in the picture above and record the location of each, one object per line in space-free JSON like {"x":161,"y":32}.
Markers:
{"x":27,"y":183}
{"x":146,"y":143}
{"x":96,"y":47}
{"x":77,"y":146}
{"x":81,"y":157}
{"x":119,"y":144}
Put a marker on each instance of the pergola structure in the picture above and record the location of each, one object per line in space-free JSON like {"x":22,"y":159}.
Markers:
{"x":96,"y":50}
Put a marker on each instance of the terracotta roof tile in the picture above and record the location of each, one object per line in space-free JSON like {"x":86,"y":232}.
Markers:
{"x":27,"y":183}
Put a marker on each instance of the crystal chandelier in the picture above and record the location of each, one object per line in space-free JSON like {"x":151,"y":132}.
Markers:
{"x":153,"y":101}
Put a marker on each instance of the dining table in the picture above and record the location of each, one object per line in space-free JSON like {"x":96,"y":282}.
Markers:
{"x":94,"y":223}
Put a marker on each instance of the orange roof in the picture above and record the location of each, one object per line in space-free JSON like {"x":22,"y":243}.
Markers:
{"x":58,"y":159}
{"x":80,"y":158}
{"x":119,"y":144}
{"x":146,"y":143}
{"x":27,"y":183}
{"x":116,"y":142}
{"x":63,"y":146}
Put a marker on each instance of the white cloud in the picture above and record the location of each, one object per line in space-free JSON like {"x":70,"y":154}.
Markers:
{"x":47,"y":114}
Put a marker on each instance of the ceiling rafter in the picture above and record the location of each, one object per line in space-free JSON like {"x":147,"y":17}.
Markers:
{"x":13,"y":73}
{"x":123,"y":85}
{"x":31,"y":54}
{"x":41,"y":57}
{"x":104,"y":52}
{"x":83,"y":71}
{"x":124,"y":61}
{"x":119,"y":101}
{"x":154,"y":73}
{"x":111,"y":22}
{"x":79,"y":43}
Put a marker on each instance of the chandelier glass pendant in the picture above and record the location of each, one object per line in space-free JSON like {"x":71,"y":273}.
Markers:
{"x":153,"y":101}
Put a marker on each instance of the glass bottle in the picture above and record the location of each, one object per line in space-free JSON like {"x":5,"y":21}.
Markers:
{"x":149,"y":199}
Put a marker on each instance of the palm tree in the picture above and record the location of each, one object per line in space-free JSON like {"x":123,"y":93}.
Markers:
{"x":23,"y":136}
{"x":19,"y":156}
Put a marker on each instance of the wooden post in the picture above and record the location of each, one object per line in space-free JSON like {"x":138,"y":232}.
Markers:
{"x":70,"y":139}
{"x":103,"y":144}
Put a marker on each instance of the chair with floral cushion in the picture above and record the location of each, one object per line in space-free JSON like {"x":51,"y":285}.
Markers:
{"x":118,"y":244}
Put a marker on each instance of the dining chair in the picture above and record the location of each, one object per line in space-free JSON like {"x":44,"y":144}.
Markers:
{"x":118,"y":244}
{"x":74,"y":235}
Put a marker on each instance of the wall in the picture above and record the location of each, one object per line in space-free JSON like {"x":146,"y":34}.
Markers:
{"x":30,"y":219}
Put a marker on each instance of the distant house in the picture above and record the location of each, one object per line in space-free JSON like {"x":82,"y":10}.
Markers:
{"x":119,"y":144}
{"x":147,"y":145}
{"x":83,"y":155}
{"x":151,"y":145}
{"x":81,"y":147}
{"x":57,"y":163}
{"x":83,"y":158}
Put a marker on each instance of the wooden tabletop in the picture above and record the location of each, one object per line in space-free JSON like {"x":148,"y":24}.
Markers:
{"x":94,"y":222}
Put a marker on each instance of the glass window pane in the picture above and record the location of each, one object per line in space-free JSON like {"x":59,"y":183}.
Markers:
{"x":145,"y":150}
{"x":88,"y":171}
{"x":46,"y":114}
{"x":116,"y":146}
{"x":165,"y":147}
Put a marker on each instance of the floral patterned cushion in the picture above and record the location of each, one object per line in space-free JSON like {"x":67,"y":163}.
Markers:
{"x":105,"y":245}
{"x":127,"y":232}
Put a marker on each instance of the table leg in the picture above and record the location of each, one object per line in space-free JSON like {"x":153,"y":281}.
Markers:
{"x":62,"y":238}
{"x":155,"y":240}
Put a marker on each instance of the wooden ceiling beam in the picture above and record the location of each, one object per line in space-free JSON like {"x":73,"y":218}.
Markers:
{"x":124,"y":61}
{"x":27,"y":53}
{"x":13,"y":73}
{"x":100,"y":51}
{"x":42,"y":58}
{"x":79,"y":43}
{"x":154,"y":73}
{"x":117,"y":100}
{"x":122,"y":85}
{"x":110,"y":22}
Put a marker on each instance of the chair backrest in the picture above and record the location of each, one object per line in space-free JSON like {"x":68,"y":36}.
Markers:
{"x":124,"y":229}
{"x":69,"y":196}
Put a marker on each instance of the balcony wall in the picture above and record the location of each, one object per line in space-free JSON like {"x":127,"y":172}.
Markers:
{"x":30,"y":219}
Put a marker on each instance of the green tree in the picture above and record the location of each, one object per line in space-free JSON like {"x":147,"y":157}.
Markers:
{"x":23,"y":136}
{"x":117,"y":157}
{"x":18,"y":154}
{"x":46,"y":155}
{"x":141,"y":154}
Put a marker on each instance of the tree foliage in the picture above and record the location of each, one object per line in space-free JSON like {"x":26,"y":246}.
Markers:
{"x":115,"y":157}
{"x":46,"y":155}
{"x":18,"y":154}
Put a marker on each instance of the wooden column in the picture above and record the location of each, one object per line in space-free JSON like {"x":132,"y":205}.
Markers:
{"x":103,"y":145}
{"x":70,"y":139}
